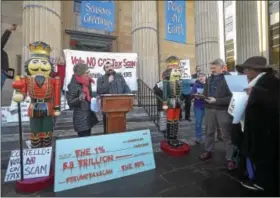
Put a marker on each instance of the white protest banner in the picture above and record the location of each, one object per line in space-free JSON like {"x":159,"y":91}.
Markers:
{"x":36,"y":163}
{"x":5,"y":113}
{"x":185,"y":68}
{"x":124,"y":63}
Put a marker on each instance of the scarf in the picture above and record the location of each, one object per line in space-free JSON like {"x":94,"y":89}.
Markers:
{"x":85,"y":82}
{"x":251,"y":84}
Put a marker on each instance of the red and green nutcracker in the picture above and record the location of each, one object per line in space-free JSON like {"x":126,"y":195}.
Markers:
{"x":171,"y":104}
{"x":44,"y":92}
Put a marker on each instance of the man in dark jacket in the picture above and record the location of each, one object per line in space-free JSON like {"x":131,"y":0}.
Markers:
{"x":218,"y":97}
{"x":111,"y":83}
{"x":261,"y":126}
{"x":4,"y":55}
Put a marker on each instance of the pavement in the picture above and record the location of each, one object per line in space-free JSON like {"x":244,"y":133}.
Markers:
{"x":176,"y":177}
{"x":183,"y":176}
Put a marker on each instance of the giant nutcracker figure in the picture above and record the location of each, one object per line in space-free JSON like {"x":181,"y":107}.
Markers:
{"x":43,"y":91}
{"x":171,"y":86}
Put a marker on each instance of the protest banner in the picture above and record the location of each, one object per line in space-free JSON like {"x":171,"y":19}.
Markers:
{"x":36,"y":164}
{"x":124,"y":63}
{"x":185,"y":68}
{"x":89,"y":160}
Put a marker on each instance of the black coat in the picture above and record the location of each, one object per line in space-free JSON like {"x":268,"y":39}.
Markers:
{"x":261,"y":131}
{"x":4,"y":55}
{"x":159,"y":94}
{"x":83,"y":118}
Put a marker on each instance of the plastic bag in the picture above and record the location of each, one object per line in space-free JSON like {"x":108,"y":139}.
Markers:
{"x":95,"y":105}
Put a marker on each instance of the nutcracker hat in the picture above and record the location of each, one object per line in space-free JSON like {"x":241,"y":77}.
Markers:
{"x":256,"y":63}
{"x":40,"y":49}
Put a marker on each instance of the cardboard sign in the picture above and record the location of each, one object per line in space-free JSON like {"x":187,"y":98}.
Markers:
{"x":124,"y":63}
{"x":237,"y":106}
{"x":36,"y":163}
{"x":88,"y":160}
{"x":185,"y":68}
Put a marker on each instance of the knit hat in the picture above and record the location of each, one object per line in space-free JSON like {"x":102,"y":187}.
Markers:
{"x":80,"y":69}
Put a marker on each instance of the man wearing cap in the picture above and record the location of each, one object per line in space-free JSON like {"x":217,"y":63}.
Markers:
{"x":111,"y":83}
{"x":261,"y":126}
{"x":217,"y":100}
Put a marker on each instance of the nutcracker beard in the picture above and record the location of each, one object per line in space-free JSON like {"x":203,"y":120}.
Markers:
{"x":173,"y":116}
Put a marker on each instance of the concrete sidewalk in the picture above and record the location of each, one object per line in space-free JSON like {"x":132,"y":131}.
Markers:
{"x":178,"y":177}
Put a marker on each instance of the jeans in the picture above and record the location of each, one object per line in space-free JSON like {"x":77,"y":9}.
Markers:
{"x":199,"y":114}
{"x":3,"y":78}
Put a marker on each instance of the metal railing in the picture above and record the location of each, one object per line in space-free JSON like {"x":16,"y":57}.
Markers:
{"x":151,"y":103}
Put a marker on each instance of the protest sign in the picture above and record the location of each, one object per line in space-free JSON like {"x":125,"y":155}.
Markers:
{"x":95,"y":159}
{"x":237,"y":84}
{"x":185,"y":68}
{"x":36,"y":163}
{"x":237,"y":106}
{"x":124,"y":63}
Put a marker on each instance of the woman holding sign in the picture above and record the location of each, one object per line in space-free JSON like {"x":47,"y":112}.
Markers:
{"x":78,"y":98}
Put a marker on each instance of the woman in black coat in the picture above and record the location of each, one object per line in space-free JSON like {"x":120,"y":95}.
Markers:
{"x":78,"y":97}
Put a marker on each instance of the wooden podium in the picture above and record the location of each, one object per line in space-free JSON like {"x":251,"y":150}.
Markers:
{"x":116,"y":106}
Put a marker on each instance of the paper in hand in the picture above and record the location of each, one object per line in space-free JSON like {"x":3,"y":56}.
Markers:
{"x":236,"y":83}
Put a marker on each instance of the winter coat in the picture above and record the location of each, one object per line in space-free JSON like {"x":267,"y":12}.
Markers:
{"x":261,"y":129}
{"x":4,"y":55}
{"x":83,"y":118}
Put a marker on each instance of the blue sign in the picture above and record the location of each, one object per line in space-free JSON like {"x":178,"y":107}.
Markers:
{"x":175,"y":21}
{"x":89,"y":160}
{"x":98,"y":15}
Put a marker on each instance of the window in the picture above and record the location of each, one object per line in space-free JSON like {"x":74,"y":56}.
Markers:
{"x":77,"y":6}
{"x":274,"y":32}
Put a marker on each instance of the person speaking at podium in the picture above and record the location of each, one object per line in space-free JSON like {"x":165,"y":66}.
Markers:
{"x":111,"y":83}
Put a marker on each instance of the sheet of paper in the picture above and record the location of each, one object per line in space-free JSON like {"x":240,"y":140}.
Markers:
{"x":237,"y":106}
{"x":236,"y":83}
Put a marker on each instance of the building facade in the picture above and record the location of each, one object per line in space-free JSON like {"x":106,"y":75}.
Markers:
{"x":139,"y":26}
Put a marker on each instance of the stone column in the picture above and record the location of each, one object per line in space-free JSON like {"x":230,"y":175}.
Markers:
{"x":247,"y":30}
{"x":42,"y":22}
{"x":206,"y":33}
{"x":145,"y":40}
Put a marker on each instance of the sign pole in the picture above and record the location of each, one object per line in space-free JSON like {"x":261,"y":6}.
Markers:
{"x":20,"y":141}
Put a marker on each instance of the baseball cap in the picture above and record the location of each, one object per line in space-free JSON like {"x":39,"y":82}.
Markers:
{"x":217,"y":61}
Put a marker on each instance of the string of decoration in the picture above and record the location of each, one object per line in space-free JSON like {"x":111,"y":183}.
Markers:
{"x":44,"y":7}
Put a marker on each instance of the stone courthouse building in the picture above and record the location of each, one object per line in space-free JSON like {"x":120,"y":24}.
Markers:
{"x":139,"y":26}
{"x":195,"y":30}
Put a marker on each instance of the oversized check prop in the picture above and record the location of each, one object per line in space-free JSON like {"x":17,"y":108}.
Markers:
{"x":124,"y":63}
{"x":89,"y":160}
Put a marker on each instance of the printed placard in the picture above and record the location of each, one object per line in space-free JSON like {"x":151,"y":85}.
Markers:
{"x":124,"y":63}
{"x":36,"y":163}
{"x":88,"y":160}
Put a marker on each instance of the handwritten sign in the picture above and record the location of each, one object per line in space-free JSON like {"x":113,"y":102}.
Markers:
{"x":237,"y":106}
{"x":185,"y":68}
{"x":89,"y":160}
{"x":175,"y":27}
{"x":98,"y":15}
{"x":36,"y":163}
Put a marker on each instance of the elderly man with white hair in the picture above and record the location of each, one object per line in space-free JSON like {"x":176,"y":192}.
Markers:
{"x":111,"y":83}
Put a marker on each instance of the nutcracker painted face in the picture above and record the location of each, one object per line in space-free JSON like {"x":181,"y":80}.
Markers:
{"x":39,"y":62}
{"x":172,"y":74}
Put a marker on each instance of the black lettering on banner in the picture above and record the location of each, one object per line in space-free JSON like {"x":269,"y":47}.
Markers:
{"x":14,"y":169}
{"x":127,"y":74}
{"x":35,"y":170}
